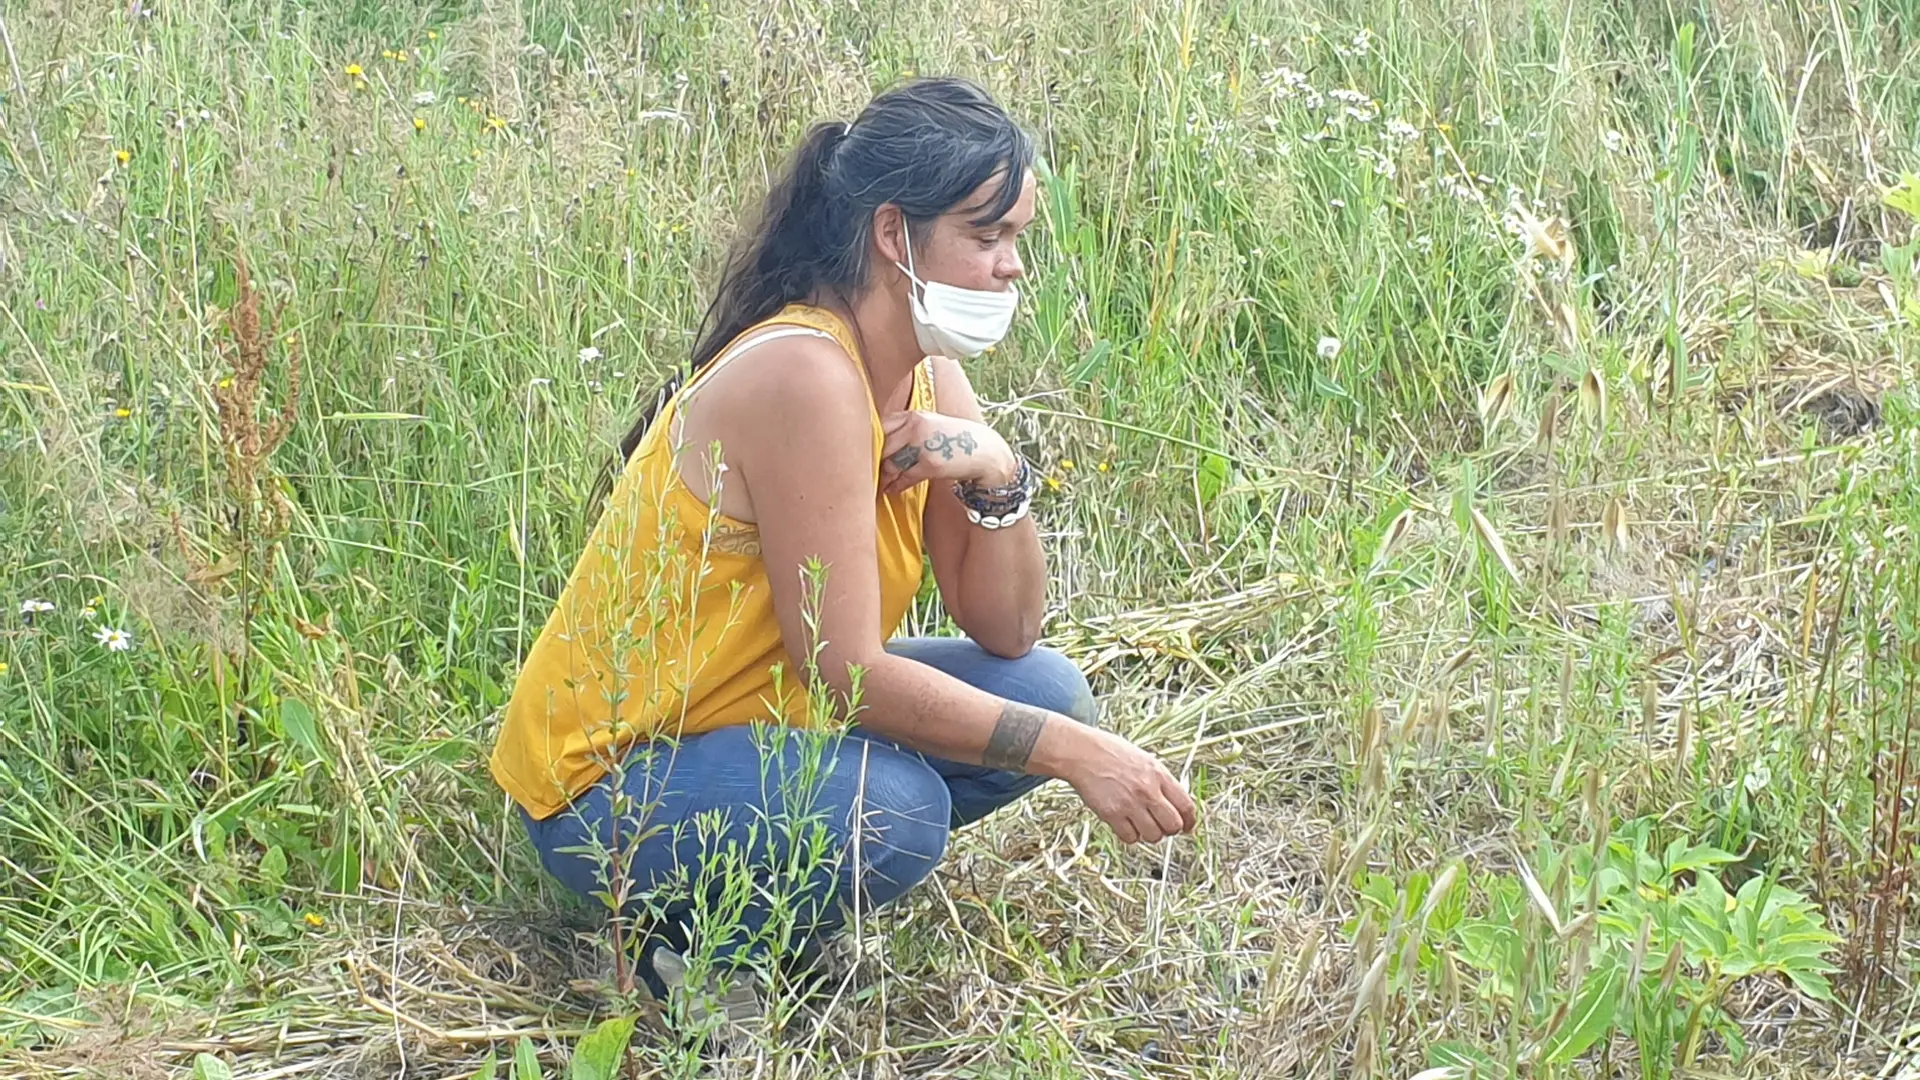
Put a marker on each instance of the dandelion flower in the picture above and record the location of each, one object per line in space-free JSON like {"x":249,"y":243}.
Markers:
{"x":419,"y":123}
{"x":1067,"y":464}
{"x":1329,"y":347}
{"x":1054,"y":484}
{"x":433,"y":35}
{"x":114,"y":640}
{"x":386,"y":54}
{"x":314,"y":920}
{"x":589,"y":354}
{"x":4,"y":668}
{"x":400,"y":55}
{"x":35,"y":607}
{"x":496,"y":122}
{"x":123,"y":156}
{"x":355,"y":71}
{"x":1105,"y":466}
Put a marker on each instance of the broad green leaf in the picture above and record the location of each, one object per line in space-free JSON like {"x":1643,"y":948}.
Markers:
{"x":526,"y":1062}
{"x":273,"y":865}
{"x":1905,"y":196}
{"x":488,"y":1069}
{"x":297,"y":720}
{"x":598,"y":1056}
{"x":1701,"y":856}
{"x":1591,"y":1018}
{"x":1811,"y":983}
{"x":1215,"y":471}
{"x":1452,"y":1053}
{"x":208,"y":1067}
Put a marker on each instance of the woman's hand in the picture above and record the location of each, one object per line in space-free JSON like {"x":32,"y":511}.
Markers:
{"x":1130,"y":790}
{"x":932,"y":446}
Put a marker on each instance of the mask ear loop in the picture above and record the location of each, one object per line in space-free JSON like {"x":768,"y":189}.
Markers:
{"x":906,"y":236}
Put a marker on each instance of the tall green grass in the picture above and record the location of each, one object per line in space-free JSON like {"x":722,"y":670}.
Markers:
{"x":1288,"y":255}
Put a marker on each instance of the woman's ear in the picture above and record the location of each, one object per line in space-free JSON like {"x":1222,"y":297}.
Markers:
{"x":890,"y":233}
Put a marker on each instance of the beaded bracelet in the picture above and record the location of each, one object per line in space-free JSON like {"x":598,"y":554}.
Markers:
{"x":998,"y":507}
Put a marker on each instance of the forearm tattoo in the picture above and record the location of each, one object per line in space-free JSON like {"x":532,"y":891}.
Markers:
{"x":945,"y":444}
{"x":1013,"y":738}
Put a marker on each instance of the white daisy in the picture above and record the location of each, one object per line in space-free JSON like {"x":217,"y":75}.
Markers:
{"x":35,"y":607}
{"x":1329,"y":348}
{"x":114,"y":640}
{"x":589,"y":354}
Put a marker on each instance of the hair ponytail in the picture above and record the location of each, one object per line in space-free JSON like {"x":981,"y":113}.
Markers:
{"x":923,"y":146}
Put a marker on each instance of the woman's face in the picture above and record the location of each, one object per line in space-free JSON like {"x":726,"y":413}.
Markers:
{"x":977,"y":256}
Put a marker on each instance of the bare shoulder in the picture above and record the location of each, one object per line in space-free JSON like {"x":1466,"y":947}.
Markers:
{"x":801,"y":383}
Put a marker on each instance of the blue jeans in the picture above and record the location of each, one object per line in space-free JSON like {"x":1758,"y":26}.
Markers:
{"x":749,"y":832}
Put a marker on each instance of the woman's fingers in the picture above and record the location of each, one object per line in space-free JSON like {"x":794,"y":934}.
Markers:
{"x":1182,"y":803}
{"x":1166,"y":816}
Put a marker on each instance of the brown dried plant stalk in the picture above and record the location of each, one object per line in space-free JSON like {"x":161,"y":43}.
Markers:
{"x":257,"y":513}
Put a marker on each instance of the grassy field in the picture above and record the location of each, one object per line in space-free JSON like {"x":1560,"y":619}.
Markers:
{"x":1480,"y":453}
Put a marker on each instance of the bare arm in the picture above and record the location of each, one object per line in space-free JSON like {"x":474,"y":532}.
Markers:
{"x":993,"y":581}
{"x":802,"y":441}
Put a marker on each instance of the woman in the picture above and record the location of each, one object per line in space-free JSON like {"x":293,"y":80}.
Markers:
{"x":766,"y":533}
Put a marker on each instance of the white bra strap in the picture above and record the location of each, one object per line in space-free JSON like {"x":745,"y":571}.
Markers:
{"x":771,"y":334}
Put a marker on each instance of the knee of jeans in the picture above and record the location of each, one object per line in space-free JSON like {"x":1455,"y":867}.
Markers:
{"x":905,"y":813}
{"x":1050,"y":680}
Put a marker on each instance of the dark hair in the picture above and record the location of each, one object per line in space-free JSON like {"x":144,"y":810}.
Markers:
{"x":923,"y":146}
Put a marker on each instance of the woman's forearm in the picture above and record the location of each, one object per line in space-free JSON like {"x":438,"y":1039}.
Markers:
{"x":1003,"y":585}
{"x":925,"y":709}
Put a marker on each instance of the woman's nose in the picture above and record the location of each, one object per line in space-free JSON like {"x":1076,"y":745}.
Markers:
{"x":1011,"y":268}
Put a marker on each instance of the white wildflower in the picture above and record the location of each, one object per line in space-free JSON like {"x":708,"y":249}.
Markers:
{"x":114,"y":640}
{"x":1329,"y":348}
{"x":1401,"y":130}
{"x":1614,"y":140}
{"x":35,"y":607}
{"x":589,"y":354}
{"x":424,"y":97}
{"x":1382,"y":164}
{"x":1337,"y":204}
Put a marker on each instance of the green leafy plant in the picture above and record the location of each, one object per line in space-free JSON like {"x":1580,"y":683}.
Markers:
{"x":1572,"y":955}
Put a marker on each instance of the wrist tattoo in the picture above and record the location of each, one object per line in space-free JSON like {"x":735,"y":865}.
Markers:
{"x":1014,"y":735}
{"x":945,"y":444}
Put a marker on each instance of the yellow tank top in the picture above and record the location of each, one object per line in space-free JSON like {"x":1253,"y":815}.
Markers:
{"x":666,"y":626}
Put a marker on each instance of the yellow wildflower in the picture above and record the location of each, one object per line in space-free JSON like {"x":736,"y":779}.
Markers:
{"x":226,"y":383}
{"x":496,"y":122}
{"x":4,"y":668}
{"x":631,"y":173}
{"x":1054,"y":484}
{"x":1067,"y":464}
{"x":355,"y":71}
{"x":123,"y":156}
{"x":419,"y":123}
{"x":386,"y":54}
{"x":123,"y":412}
{"x":433,"y":35}
{"x":315,"y":920}
{"x":1105,"y":466}
{"x":400,"y":55}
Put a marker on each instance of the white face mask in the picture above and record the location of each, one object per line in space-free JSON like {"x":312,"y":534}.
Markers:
{"x":956,"y":322}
